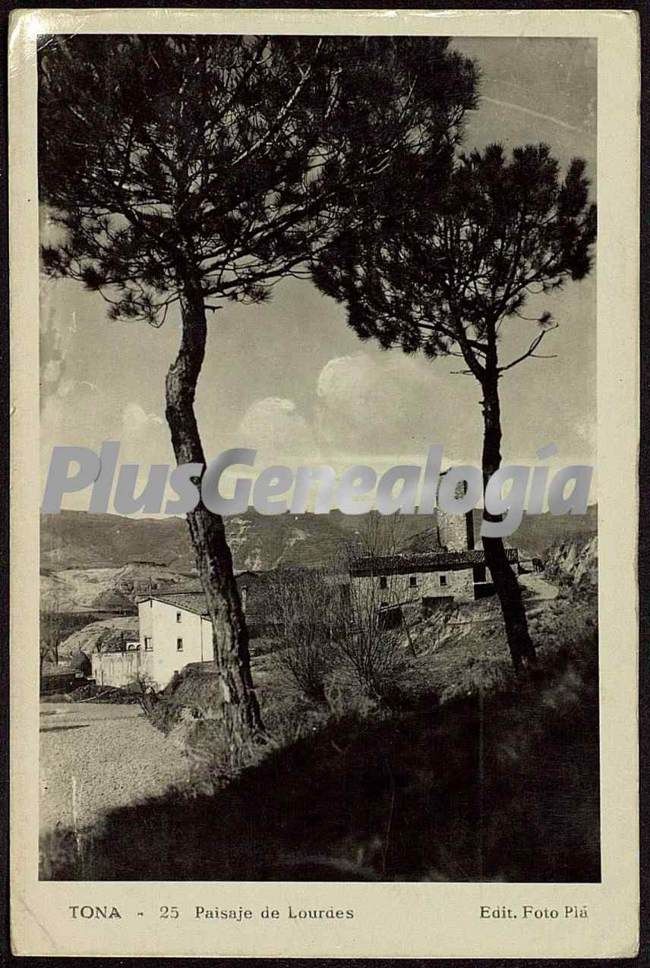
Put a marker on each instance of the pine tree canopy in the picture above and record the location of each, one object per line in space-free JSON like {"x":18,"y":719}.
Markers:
{"x":437,"y":267}
{"x":228,"y":161}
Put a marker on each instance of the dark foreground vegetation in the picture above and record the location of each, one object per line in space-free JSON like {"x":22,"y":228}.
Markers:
{"x":493,"y":778}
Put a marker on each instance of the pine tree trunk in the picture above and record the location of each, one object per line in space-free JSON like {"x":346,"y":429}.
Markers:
{"x":242,"y":718}
{"x":505,"y":581}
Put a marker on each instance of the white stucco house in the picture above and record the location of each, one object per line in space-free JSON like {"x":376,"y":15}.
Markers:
{"x":174,"y":630}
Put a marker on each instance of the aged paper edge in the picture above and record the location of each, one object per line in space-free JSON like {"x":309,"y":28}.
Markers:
{"x":393,"y":920}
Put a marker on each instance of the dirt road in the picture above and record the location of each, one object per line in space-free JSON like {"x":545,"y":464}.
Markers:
{"x":541,"y":589}
{"x":97,"y":756}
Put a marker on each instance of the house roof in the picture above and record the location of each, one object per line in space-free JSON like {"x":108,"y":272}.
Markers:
{"x":194,"y":601}
{"x":367,"y":566}
{"x":190,"y":601}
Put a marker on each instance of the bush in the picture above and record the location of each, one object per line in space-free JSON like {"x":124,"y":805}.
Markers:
{"x":375,"y":656}
{"x":372,"y":640}
{"x":81,"y":662}
{"x":308,"y":664}
{"x":304,"y":607}
{"x":344,"y":698}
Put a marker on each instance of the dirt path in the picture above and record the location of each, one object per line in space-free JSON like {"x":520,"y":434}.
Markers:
{"x":542,"y":590}
{"x":97,"y":756}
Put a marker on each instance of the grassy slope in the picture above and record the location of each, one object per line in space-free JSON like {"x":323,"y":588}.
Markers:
{"x":474,"y":777}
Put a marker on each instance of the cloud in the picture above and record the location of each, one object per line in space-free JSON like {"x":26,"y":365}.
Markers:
{"x":70,"y":417}
{"x":54,"y":338}
{"x":376,"y":409}
{"x":274,"y":427}
{"x":69,"y":405}
{"x":386,"y":404}
{"x":361,"y":398}
{"x":144,"y":438}
{"x":136,"y":421}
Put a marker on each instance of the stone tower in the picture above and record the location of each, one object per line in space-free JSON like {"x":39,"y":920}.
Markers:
{"x":456,"y":531}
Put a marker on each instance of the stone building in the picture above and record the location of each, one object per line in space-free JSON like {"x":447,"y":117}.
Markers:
{"x":455,"y":570}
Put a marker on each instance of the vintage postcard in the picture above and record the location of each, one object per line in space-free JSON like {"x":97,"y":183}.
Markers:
{"x":324,"y":402}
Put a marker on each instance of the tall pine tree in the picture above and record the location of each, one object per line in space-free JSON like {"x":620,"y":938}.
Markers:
{"x":442,"y":268}
{"x":189,"y":171}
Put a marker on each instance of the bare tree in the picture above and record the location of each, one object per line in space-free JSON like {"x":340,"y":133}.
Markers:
{"x":373,"y":626}
{"x":143,"y":687}
{"x":305,"y":607}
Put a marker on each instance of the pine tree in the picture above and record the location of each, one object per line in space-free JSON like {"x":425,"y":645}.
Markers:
{"x":192,"y":170}
{"x":440,"y":269}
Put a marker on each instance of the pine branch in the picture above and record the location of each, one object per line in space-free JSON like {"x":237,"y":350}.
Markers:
{"x":530,"y":352}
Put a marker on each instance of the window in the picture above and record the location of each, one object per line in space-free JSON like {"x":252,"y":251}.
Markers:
{"x":413,"y":581}
{"x":383,"y":582}
{"x":148,"y":643}
{"x":179,"y":645}
{"x":443,"y":579}
{"x":178,"y":616}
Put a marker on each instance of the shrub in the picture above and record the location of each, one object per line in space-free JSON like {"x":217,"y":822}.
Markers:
{"x":304,"y":608}
{"x":375,"y":655}
{"x":371,"y":640}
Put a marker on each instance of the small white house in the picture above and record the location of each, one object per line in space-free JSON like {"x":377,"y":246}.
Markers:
{"x":175,"y":629}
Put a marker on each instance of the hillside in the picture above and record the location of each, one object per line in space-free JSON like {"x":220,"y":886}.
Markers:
{"x":107,"y":589}
{"x":80,"y":540}
{"x":102,"y":636}
{"x":574,"y":562}
{"x":152,"y":549}
{"x":536,"y":534}
{"x":350,"y":791}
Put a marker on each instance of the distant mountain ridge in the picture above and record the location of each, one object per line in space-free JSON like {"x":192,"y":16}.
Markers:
{"x":536,"y":534}
{"x":81,"y":540}
{"x":112,"y":590}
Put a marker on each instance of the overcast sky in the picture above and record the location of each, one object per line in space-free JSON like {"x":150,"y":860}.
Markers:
{"x":291,"y":379}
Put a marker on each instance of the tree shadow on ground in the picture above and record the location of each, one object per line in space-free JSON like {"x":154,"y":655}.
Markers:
{"x":503,"y":787}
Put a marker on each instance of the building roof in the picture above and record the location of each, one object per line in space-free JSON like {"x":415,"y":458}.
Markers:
{"x":194,"y":601}
{"x":367,"y":566}
{"x":190,"y":601}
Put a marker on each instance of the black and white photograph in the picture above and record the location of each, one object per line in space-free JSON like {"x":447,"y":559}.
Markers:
{"x":317,"y":695}
{"x":319,"y":593}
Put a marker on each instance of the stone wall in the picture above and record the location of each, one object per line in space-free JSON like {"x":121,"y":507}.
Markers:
{"x":120,"y":668}
{"x":400,"y":590}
